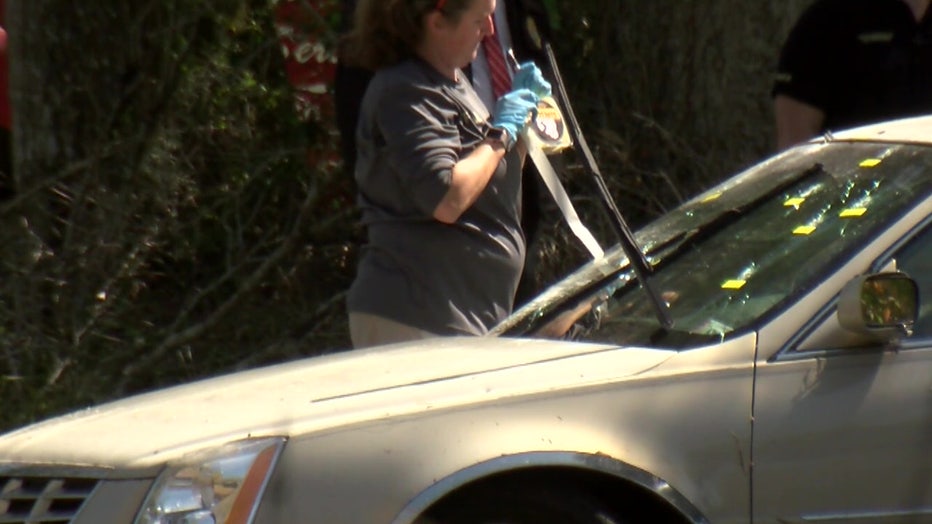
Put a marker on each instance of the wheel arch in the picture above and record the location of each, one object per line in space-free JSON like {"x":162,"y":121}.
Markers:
{"x":596,"y":472}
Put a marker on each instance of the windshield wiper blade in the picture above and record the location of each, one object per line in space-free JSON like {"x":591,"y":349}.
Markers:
{"x":629,"y":245}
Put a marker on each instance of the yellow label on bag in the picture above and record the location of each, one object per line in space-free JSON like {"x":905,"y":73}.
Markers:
{"x":549,"y":129}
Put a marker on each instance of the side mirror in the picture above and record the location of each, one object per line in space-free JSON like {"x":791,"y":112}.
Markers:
{"x":883,"y":305}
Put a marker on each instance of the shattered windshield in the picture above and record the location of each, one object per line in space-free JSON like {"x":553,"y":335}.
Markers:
{"x":738,"y":252}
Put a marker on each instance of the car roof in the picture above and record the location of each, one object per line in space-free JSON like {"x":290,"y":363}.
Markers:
{"x":914,"y":130}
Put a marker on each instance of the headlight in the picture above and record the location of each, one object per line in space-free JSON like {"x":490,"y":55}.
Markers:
{"x":219,"y":486}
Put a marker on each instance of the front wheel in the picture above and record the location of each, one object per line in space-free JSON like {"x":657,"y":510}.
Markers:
{"x":523,"y":503}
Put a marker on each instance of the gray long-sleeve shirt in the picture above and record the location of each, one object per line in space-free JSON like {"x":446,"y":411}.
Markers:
{"x":459,"y":278}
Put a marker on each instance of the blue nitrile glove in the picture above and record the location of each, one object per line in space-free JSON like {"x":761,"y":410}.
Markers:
{"x":513,"y":109}
{"x":529,"y":76}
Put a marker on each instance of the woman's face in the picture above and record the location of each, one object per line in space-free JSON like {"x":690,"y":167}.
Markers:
{"x":459,"y":41}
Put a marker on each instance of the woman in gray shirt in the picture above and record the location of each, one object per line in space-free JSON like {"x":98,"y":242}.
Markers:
{"x":439,"y":179}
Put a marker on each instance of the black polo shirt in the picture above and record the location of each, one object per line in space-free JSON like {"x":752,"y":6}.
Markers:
{"x":859,"y":61}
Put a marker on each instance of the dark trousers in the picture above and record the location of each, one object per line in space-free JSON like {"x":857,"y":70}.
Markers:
{"x":532,"y":191}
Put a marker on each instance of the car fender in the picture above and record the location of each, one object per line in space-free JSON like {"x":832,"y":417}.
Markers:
{"x":690,"y":435}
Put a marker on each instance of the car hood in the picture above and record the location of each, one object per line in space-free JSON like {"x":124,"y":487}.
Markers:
{"x":912,"y":130}
{"x":301,"y":397}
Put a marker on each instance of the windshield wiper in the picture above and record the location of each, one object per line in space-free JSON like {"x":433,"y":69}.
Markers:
{"x":636,"y":257}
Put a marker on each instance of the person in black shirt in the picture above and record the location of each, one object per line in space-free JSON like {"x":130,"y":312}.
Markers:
{"x":852,"y":62}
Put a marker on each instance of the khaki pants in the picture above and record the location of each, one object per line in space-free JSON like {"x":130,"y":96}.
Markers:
{"x":371,"y":330}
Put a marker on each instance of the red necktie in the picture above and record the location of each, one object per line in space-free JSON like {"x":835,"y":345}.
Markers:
{"x":498,"y":71}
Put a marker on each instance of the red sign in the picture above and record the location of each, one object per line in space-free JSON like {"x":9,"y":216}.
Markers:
{"x":307,"y":33}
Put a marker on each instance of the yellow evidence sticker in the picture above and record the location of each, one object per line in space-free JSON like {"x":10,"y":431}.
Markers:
{"x":734,"y":284}
{"x":804,"y":230}
{"x":794,"y":202}
{"x":871,"y":162}
{"x":853,"y":212}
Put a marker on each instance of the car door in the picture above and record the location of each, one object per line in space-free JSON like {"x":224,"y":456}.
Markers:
{"x":844,"y":433}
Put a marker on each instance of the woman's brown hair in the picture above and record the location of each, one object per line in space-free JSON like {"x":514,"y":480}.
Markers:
{"x":386,"y":32}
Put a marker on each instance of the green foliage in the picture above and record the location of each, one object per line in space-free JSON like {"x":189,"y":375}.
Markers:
{"x":182,"y":231}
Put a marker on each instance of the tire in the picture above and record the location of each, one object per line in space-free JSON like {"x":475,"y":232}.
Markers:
{"x":523,"y":504}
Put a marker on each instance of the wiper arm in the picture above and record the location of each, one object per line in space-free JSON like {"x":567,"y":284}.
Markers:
{"x":642,"y":268}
